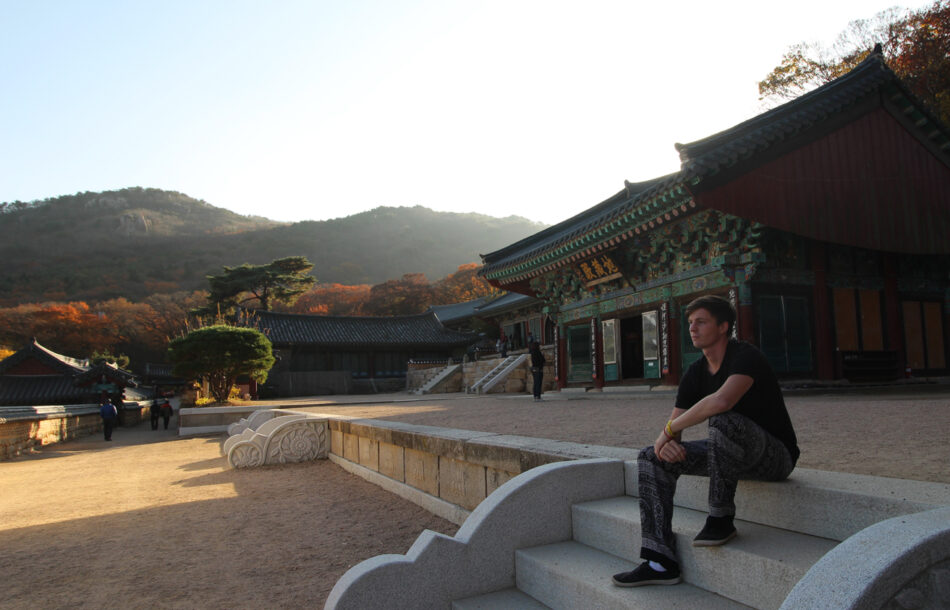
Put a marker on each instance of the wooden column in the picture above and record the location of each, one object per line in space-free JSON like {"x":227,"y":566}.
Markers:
{"x":669,"y":335}
{"x":560,"y":352}
{"x":821,"y":300}
{"x":894,"y":331}
{"x":597,"y":346}
{"x":745,"y":327}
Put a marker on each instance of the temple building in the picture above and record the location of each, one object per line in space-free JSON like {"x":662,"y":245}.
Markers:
{"x":38,"y":376}
{"x":349,"y":354}
{"x":825,"y":221}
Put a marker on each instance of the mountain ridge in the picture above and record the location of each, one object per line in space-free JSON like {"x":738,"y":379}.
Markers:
{"x":134,"y":242}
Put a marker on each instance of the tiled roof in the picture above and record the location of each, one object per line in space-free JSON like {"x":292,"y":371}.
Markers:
{"x":641,"y":206}
{"x":47,"y":356}
{"x":506,"y":302}
{"x":457,"y":311}
{"x":108,"y":370}
{"x":746,"y":139}
{"x":422,"y":330}
{"x":580,"y":230}
{"x":47,"y":389}
{"x":42,"y":390}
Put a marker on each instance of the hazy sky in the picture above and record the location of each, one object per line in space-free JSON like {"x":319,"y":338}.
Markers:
{"x":295,"y":109}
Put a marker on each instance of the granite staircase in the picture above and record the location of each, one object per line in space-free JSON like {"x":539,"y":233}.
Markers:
{"x":438,"y":378}
{"x":497,"y":374}
{"x":838,"y":522}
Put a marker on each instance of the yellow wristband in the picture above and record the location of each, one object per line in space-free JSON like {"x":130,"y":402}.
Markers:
{"x":668,"y":430}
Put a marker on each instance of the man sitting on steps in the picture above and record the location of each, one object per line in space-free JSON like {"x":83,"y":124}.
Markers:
{"x":750,"y":437}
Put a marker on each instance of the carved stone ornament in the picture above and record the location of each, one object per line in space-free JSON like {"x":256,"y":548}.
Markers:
{"x":246,"y":455}
{"x":306,"y":440}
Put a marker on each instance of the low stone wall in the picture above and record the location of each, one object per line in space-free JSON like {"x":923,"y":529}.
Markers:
{"x":22,"y":428}
{"x":447,"y":471}
{"x":210,"y":420}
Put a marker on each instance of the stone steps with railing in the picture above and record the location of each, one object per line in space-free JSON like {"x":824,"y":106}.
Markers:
{"x":554,"y":535}
{"x":440,"y":377}
{"x":498,"y":374}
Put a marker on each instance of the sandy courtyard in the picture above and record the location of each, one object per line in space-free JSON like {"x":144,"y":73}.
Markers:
{"x":151,"y":520}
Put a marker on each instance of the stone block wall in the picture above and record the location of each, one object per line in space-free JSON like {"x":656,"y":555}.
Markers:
{"x":443,"y":465}
{"x":418,"y":377}
{"x":21,"y":434}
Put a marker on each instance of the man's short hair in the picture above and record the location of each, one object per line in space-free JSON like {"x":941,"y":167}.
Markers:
{"x":720,"y":308}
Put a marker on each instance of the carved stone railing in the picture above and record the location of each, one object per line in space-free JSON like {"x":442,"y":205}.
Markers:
{"x":278,"y":440}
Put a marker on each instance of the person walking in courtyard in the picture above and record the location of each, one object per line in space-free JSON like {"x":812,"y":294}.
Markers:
{"x":166,"y":409}
{"x":750,"y":437}
{"x":537,"y":368}
{"x":155,"y":411}
{"x":109,"y":414}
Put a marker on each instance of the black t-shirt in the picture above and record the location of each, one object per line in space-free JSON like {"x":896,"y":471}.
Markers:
{"x":763,"y":403}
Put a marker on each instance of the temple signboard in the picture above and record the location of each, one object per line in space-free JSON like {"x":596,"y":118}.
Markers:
{"x":598,"y":270}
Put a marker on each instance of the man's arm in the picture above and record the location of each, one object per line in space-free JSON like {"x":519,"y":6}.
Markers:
{"x":669,"y":449}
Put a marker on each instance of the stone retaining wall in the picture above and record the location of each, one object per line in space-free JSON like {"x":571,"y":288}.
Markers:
{"x":419,"y":375}
{"x":22,"y":428}
{"x":455,"y":468}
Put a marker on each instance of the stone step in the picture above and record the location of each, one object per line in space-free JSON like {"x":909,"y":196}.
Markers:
{"x":508,"y":599}
{"x":826,"y":504}
{"x":758,"y":568}
{"x":570,"y":575}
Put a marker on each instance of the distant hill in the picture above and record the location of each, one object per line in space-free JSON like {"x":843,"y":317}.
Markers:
{"x":135,"y":242}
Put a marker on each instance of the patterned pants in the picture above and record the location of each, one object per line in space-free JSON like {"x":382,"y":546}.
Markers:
{"x":737,"y":448}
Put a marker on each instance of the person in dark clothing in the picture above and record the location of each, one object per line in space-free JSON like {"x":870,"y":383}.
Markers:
{"x":537,"y":368}
{"x":155,"y":411}
{"x":750,"y":437}
{"x":166,"y":410}
{"x":109,"y":415}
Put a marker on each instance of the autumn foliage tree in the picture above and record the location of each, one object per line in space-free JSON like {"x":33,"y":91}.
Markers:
{"x":117,"y":326}
{"x":331,"y":300}
{"x":410,"y":294}
{"x":463,"y":285}
{"x":71,"y":328}
{"x":916,"y":46}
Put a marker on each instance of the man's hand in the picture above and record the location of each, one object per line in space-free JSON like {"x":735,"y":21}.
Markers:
{"x":668,"y":450}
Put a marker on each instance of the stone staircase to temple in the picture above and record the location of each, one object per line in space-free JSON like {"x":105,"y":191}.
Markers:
{"x":554,"y":536}
{"x":438,"y":378}
{"x":497,"y":374}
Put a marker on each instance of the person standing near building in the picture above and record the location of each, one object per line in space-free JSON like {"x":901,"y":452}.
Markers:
{"x":502,"y":346}
{"x":109,"y":414}
{"x":166,"y":410}
{"x":750,"y":437}
{"x":155,"y":411}
{"x":537,"y":367}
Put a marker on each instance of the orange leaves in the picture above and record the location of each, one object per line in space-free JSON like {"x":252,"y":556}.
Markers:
{"x":78,"y":329}
{"x":410,"y":294}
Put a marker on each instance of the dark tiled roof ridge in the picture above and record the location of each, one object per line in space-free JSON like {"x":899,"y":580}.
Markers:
{"x":423,"y":329}
{"x":74,"y":362}
{"x":46,"y":355}
{"x":595,"y":217}
{"x":870,"y":72}
{"x":314,"y":315}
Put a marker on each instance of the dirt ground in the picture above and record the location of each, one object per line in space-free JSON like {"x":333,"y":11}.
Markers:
{"x":151,"y":520}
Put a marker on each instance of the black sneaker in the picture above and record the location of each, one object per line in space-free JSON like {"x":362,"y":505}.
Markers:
{"x":717,"y":531}
{"x":645,"y":575}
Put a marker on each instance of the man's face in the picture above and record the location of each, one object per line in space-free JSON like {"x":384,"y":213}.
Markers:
{"x":704,"y":330}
